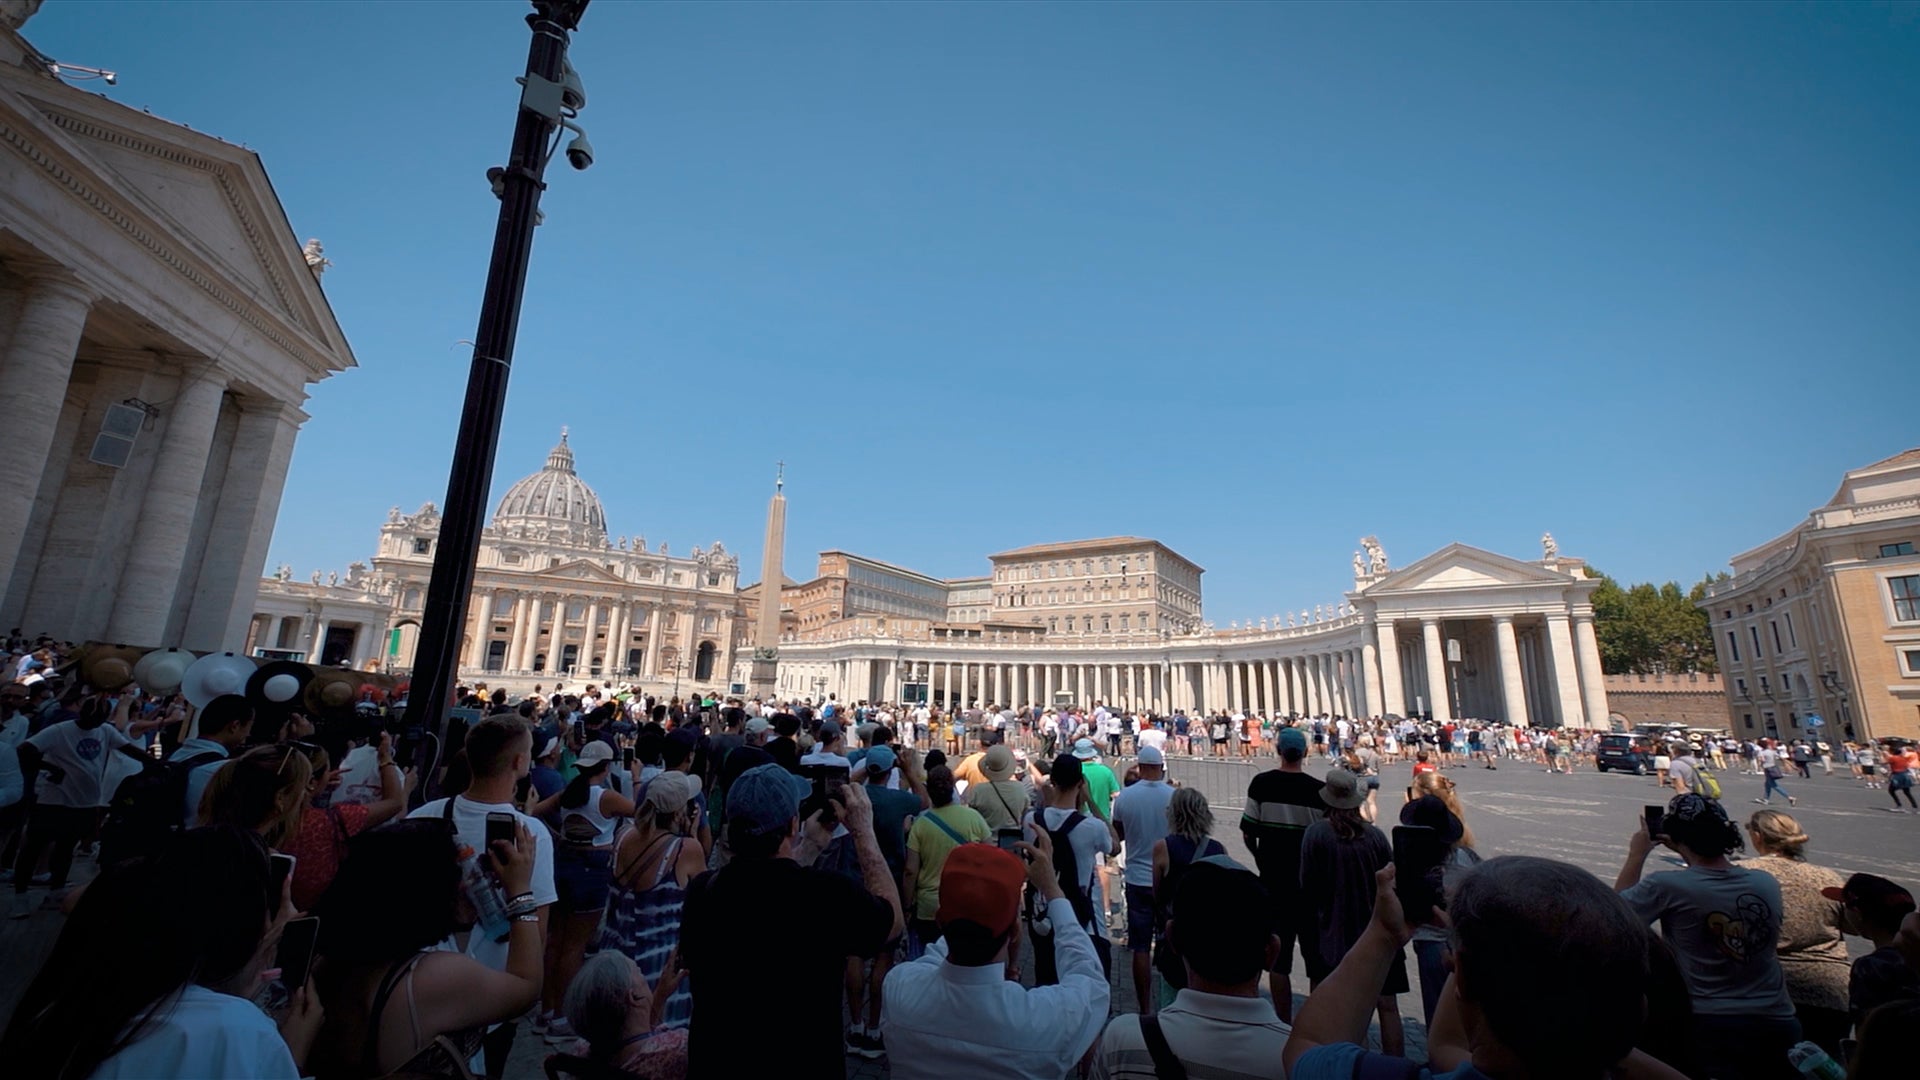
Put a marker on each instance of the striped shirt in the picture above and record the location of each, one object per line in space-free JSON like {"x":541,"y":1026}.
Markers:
{"x":1280,"y":807}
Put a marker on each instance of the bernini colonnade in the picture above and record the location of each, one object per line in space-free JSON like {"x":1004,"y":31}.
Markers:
{"x":1460,"y":633}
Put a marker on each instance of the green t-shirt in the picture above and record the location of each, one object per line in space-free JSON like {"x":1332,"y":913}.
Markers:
{"x":933,"y":845}
{"x":1102,"y":785}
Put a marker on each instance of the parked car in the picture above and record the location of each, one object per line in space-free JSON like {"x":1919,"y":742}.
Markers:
{"x":1628,"y":752}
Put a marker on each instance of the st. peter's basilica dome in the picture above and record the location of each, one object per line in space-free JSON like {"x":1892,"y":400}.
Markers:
{"x":553,"y":504}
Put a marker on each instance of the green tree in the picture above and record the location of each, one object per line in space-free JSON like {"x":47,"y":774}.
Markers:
{"x":1648,"y":629}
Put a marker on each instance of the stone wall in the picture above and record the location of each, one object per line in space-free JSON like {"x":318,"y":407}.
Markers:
{"x":1683,"y":700}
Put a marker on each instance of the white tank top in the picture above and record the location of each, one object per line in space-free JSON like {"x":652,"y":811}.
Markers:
{"x":603,"y":826}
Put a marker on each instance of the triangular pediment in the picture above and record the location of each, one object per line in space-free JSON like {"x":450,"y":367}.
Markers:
{"x":1458,"y":566}
{"x":582,"y":570}
{"x":204,"y":197}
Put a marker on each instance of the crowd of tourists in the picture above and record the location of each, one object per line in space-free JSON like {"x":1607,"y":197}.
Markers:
{"x":738,"y":888}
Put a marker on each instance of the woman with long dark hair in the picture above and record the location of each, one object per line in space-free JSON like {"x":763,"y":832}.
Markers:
{"x":395,"y":1001}
{"x":1338,"y":857}
{"x":588,"y":811}
{"x":178,"y":1003}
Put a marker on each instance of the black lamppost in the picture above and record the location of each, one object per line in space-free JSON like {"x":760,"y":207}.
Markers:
{"x":551,"y":95}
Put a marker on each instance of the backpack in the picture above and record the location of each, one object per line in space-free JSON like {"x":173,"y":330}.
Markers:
{"x":148,"y":808}
{"x":1066,"y":866}
{"x":1705,"y":783}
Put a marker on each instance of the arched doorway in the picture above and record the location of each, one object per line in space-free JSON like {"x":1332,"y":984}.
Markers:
{"x":703,"y":662}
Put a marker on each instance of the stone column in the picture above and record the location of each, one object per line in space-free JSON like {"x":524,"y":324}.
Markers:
{"x":1392,"y":695}
{"x":1565,"y":676}
{"x":34,"y":374}
{"x":584,"y":665}
{"x":618,"y":632}
{"x":1370,"y":673}
{"x":654,"y":634}
{"x":482,"y":630}
{"x":1593,"y":683}
{"x":1436,"y":671}
{"x":556,"y":646}
{"x":517,"y":639}
{"x":317,"y":654}
{"x":1513,"y":689}
{"x":158,"y":550}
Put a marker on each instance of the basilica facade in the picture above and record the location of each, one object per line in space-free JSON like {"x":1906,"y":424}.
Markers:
{"x":555,"y":597}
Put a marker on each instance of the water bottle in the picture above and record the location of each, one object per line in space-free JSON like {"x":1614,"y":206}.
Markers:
{"x":1815,"y":1062}
{"x":490,"y":912}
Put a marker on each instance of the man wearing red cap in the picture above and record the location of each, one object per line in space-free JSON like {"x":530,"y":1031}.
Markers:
{"x":961,"y":1008}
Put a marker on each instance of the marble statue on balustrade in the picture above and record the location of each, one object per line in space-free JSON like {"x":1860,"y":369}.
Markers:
{"x":1548,"y":548}
{"x":1376,"y":555}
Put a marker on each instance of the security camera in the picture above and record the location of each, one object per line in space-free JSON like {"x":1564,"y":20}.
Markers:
{"x":573,"y":92}
{"x":580,"y":152}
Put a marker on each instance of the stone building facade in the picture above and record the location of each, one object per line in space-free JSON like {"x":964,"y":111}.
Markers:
{"x":159,"y":327}
{"x":1116,"y":584}
{"x":1824,"y":620}
{"x":1462,"y":632}
{"x":1691,"y":700}
{"x":336,"y":621}
{"x":554,"y":596}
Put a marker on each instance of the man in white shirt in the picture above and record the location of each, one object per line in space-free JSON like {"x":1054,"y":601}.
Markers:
{"x":75,"y":755}
{"x":1217,"y":1025}
{"x":1140,"y":820}
{"x":1151,"y":735}
{"x":957,"y":1011}
{"x":500,"y":752}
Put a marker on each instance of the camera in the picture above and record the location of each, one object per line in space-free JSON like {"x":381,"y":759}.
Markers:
{"x":580,"y":152}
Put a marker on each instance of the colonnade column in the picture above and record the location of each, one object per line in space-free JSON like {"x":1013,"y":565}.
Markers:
{"x":1513,"y":687}
{"x":1565,"y":675}
{"x":162,"y":535}
{"x":1437,"y":700}
{"x":34,"y":373}
{"x":559,"y":635}
{"x":1392,"y":695}
{"x":652,"y":660}
{"x":1370,"y":673}
{"x":1593,"y":685}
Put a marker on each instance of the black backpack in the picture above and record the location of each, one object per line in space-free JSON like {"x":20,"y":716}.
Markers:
{"x":148,"y":808}
{"x":1066,"y":866}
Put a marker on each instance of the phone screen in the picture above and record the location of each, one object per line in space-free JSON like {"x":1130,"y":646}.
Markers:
{"x":501,"y":827}
{"x":282,"y":869}
{"x":1009,"y":837}
{"x":1417,"y":854}
{"x":1656,"y":820}
{"x":626,"y":756}
{"x":295,"y":957}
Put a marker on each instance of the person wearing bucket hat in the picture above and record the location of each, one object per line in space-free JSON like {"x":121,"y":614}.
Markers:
{"x":998,"y":798}
{"x":1723,"y":922}
{"x":1339,"y":856}
{"x":735,"y":974}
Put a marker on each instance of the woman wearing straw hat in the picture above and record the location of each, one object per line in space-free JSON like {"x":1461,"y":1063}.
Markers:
{"x":1001,"y":800}
{"x":1338,"y":857}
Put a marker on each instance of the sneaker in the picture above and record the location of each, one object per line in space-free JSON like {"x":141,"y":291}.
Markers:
{"x":559,"y":1031}
{"x":23,"y":906}
{"x":860,"y":1044}
{"x":1791,"y":801}
{"x":1762,"y":802}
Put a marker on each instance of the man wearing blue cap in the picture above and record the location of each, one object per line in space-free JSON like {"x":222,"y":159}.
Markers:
{"x":1281,"y":804}
{"x":741,"y":961}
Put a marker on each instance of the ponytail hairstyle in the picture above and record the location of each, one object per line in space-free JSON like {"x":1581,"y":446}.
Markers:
{"x":263,"y":791}
{"x":576,"y":794}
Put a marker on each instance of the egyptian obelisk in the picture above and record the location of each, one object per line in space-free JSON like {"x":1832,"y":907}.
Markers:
{"x":766,"y":634}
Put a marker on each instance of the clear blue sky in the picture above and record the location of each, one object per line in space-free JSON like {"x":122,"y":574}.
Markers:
{"x":1255,"y":280}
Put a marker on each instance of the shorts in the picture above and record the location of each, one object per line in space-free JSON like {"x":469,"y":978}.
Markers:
{"x":1373,"y":783}
{"x":1139,"y":918}
{"x":1290,"y":927}
{"x":581,"y":878}
{"x":1900,"y":781}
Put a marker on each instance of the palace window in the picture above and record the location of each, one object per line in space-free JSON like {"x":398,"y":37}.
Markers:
{"x":1106,"y":623}
{"x":1123,"y":623}
{"x":1754,"y":632}
{"x":713,"y":577}
{"x":1741,"y":686}
{"x":1791,"y":639}
{"x":511,"y":558}
{"x":422,"y":545}
{"x":1906,"y":597}
{"x":1910,"y":663}
{"x":1765,"y":690}
{"x":1774,"y":624}
{"x":1904,"y":547}
{"x":1733,"y":645}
